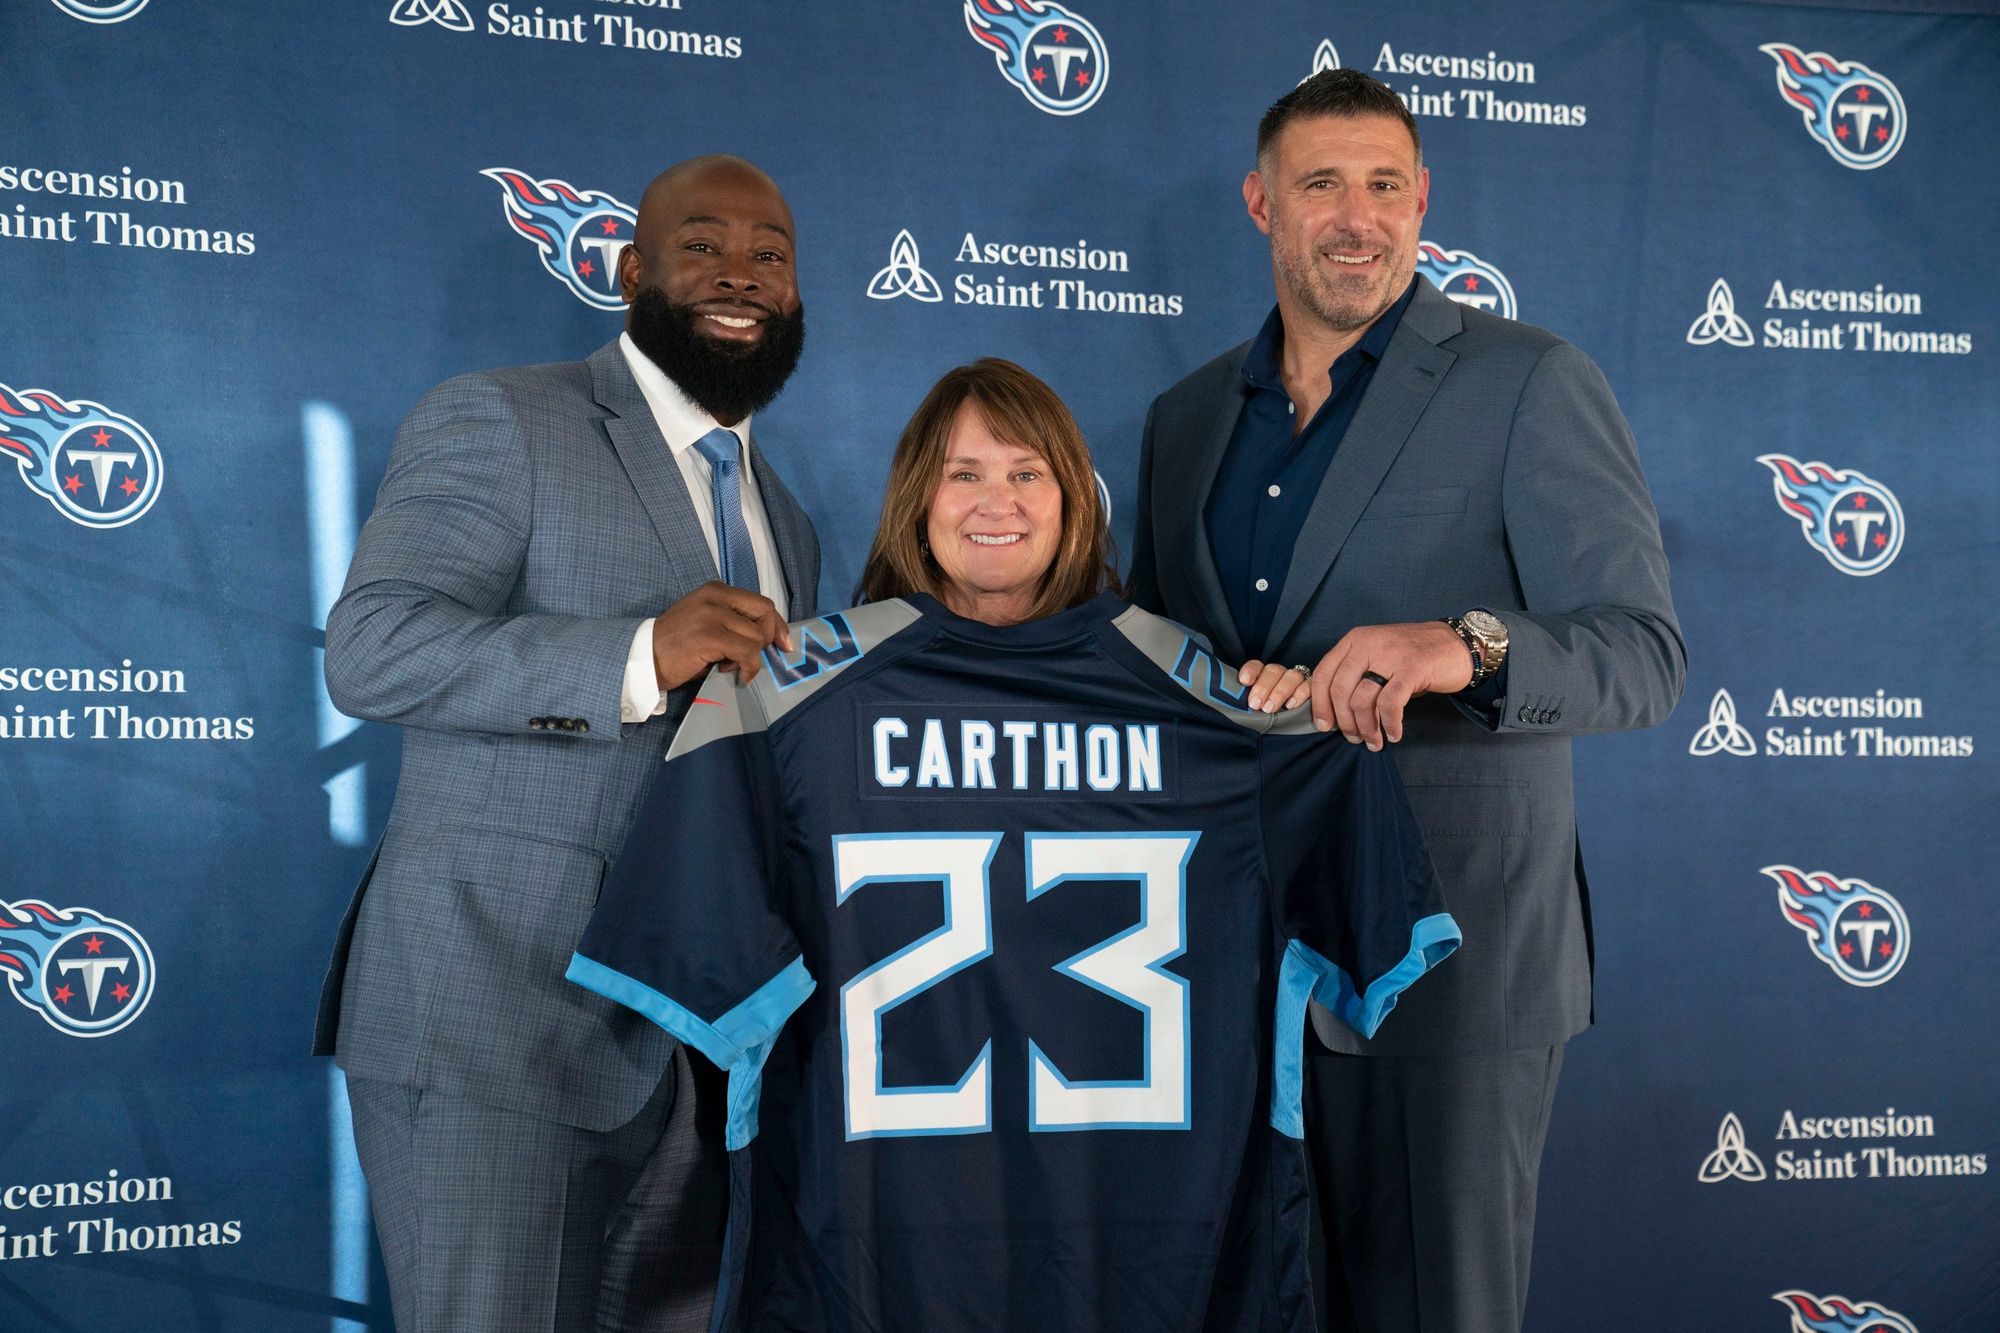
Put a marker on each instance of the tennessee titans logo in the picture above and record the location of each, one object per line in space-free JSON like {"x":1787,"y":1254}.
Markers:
{"x":86,"y":974}
{"x":96,"y":467}
{"x":1053,"y":55}
{"x":1854,"y":113}
{"x":1466,"y":279}
{"x":1837,"y":1314}
{"x":578,"y":232}
{"x":1855,"y":928}
{"x":823,"y":644}
{"x":1852,"y":520}
{"x":110,"y":11}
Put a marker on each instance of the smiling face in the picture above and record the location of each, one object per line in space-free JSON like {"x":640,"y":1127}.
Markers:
{"x":1341,"y":198}
{"x":715,"y":235}
{"x":994,"y":522}
{"x":712,"y":284}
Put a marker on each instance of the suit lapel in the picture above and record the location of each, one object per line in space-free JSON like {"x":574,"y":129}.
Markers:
{"x":650,"y":465}
{"x":791,"y":532}
{"x":1412,"y":367}
{"x":1191,"y":474}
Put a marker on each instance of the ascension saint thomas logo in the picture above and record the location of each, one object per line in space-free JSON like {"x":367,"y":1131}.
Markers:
{"x":904,"y":274}
{"x":449,"y":14}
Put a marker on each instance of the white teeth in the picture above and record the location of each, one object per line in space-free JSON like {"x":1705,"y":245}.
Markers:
{"x":1349,"y":259}
{"x":728,"y":323}
{"x":979,"y":539}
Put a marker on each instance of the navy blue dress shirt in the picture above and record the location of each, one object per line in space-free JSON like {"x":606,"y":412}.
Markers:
{"x":1270,"y":476}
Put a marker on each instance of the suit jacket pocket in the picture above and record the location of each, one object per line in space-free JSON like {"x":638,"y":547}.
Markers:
{"x":504,"y":1023}
{"x":1414,"y":504}
{"x":1447,"y":803}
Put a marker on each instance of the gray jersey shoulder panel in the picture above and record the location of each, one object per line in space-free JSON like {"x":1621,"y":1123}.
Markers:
{"x":822,"y":648}
{"x":1174,"y":650}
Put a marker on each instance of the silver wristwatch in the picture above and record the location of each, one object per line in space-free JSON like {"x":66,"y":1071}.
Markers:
{"x":1485,"y":637}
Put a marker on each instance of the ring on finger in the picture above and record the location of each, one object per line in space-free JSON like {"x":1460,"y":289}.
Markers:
{"x":1377,"y":677}
{"x":1302,"y":670}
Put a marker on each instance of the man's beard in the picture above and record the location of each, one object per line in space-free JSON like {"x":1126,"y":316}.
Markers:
{"x":729,"y":381}
{"x":1339,"y":306}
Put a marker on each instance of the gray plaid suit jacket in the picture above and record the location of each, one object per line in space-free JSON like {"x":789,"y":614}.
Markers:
{"x":529,"y":520}
{"x":1488,"y":466}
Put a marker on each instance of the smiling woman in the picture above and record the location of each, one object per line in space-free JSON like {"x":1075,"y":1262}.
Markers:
{"x":992,"y":504}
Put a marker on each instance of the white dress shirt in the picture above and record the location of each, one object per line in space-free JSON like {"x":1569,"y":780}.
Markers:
{"x":681,"y":424}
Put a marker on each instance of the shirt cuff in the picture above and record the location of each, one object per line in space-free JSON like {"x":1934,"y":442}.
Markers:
{"x":1484,"y":699}
{"x":641,"y":698}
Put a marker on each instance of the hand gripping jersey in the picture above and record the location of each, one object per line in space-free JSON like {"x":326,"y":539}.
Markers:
{"x":1005,"y":937}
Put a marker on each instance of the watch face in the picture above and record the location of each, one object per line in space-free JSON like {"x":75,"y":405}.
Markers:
{"x":1485,"y":622}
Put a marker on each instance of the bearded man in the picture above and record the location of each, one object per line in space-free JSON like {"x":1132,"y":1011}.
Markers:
{"x":1439,"y":516}
{"x":557,"y":556}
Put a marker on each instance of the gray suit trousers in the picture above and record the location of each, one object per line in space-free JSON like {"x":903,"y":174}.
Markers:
{"x":1424,"y":1184}
{"x":493,"y":1221}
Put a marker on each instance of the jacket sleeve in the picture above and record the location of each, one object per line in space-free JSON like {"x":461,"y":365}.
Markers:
{"x":1598,"y":647}
{"x":422,"y":634}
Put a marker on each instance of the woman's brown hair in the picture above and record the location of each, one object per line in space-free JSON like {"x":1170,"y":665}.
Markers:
{"x":1020,"y":410}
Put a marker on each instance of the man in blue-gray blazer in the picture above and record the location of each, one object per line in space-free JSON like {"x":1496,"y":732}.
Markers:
{"x":1438,"y":515}
{"x":557,"y":556}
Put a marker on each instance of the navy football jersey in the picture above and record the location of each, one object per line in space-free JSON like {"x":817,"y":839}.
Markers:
{"x":1005,"y":936}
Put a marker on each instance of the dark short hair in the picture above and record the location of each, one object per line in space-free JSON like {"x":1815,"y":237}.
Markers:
{"x":1020,"y":410}
{"x":1336,"y":92}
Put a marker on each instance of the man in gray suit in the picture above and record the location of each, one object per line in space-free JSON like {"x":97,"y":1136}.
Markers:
{"x":534,"y":600}
{"x":1444,"y":510}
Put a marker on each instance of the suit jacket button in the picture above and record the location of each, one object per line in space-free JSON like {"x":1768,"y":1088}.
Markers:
{"x":538,"y":724}
{"x":1521,"y":713}
{"x":583,"y":724}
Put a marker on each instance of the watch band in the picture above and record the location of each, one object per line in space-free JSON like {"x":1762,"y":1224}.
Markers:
{"x":1479,"y":671}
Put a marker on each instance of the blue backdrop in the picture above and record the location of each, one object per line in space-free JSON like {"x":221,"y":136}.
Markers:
{"x":237,"y":242}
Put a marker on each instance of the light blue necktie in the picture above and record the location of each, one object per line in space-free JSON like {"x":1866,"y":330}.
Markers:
{"x":734,"y":553}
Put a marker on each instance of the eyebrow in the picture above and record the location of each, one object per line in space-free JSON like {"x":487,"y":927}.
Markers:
{"x":1394,"y":173}
{"x":1025,"y":456}
{"x":706,"y":219}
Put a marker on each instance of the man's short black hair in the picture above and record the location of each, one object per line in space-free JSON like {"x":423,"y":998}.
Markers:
{"x":1336,"y":92}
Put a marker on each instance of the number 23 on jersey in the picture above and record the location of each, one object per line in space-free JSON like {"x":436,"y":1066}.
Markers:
{"x":1129,"y":967}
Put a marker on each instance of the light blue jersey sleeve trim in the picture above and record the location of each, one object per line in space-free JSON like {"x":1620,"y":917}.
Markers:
{"x":1432,"y":940}
{"x":1307,"y":975}
{"x":727,"y":1040}
{"x":756,"y":1021}
{"x":738,"y":1041}
{"x":1296,"y":979}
